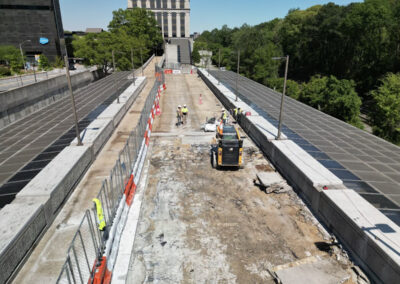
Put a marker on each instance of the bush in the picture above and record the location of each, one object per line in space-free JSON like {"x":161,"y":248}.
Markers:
{"x":12,"y":57}
{"x":385,"y":114}
{"x":334,"y":97}
{"x":58,"y":63}
{"x":4,"y":71}
{"x":292,"y":87}
{"x":44,"y":62}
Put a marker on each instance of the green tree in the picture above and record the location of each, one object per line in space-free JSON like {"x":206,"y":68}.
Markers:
{"x":385,"y":114}
{"x":95,"y":49}
{"x":198,"y":45}
{"x":333,"y":96}
{"x":44,"y":62}
{"x":131,"y":29}
{"x":11,"y":56}
{"x":59,"y":62}
{"x":292,"y":87}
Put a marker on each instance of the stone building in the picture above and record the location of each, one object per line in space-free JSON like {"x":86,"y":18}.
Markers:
{"x":26,"y":21}
{"x":173,"y":16}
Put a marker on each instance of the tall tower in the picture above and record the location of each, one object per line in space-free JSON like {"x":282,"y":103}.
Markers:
{"x":173,"y":16}
{"x":26,"y":21}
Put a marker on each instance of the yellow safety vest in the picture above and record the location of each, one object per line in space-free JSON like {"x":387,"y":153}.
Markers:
{"x":185,"y":110}
{"x":236,"y":111}
{"x":100,"y":215}
{"x":224,"y":116}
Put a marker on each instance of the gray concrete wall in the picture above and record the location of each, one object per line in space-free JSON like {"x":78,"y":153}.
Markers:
{"x":18,"y":103}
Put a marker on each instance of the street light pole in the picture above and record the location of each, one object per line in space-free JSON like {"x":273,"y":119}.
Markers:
{"x":219,"y":59}
{"x":237,"y":76}
{"x":78,"y":135}
{"x":133,"y":67}
{"x":22,"y":53}
{"x":115,"y":72}
{"x":141,"y":58}
{"x":283,"y":95}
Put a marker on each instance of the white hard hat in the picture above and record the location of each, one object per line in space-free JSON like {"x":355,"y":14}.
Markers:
{"x":184,"y":105}
{"x":179,"y":106}
{"x":222,"y":109}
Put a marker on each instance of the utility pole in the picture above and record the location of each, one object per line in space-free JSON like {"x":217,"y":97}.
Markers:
{"x":237,"y":76}
{"x":78,"y":135}
{"x":219,"y":59}
{"x":283,"y":94}
{"x":133,"y":67}
{"x":115,"y":72}
{"x":22,"y":53}
{"x":141,"y":58}
{"x":283,"y":97}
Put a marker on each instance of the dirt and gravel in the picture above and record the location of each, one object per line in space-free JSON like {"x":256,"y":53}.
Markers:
{"x":201,"y":225}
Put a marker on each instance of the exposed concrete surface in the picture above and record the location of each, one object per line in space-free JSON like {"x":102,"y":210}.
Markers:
{"x":201,"y":225}
{"x":46,"y":260}
{"x":312,"y":271}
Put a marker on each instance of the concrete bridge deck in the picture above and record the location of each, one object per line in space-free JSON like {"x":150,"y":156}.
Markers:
{"x":201,"y":225}
{"x":365,"y":163}
{"x":197,"y":224}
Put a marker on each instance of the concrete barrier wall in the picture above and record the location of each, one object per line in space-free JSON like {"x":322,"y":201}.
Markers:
{"x":18,"y":103}
{"x":372,"y":239}
{"x":33,"y":210}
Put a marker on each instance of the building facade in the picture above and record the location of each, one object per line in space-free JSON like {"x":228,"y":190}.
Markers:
{"x":173,"y":16}
{"x":26,"y":21}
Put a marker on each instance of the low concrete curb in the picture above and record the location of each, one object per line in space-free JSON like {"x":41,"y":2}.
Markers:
{"x":372,"y":239}
{"x":25,"y":220}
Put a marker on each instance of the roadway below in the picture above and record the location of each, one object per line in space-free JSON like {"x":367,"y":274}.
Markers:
{"x":365,"y":163}
{"x":24,"y":80}
{"x":29,"y":144}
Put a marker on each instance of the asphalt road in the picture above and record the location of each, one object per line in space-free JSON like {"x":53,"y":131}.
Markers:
{"x":20,"y":81}
{"x":365,"y":163}
{"x":29,"y":144}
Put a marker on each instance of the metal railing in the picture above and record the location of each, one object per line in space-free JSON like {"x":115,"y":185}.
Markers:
{"x":88,"y":245}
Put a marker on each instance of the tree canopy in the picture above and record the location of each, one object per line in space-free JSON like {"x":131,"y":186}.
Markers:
{"x":342,"y":48}
{"x":386,"y":108}
{"x":11,"y":56}
{"x":130,"y":30}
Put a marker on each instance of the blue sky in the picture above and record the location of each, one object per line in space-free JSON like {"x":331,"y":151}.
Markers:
{"x":205,"y":14}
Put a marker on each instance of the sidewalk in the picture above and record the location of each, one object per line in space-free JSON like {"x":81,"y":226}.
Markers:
{"x":45,"y":262}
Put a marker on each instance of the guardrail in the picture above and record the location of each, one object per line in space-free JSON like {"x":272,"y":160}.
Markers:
{"x":92,"y":252}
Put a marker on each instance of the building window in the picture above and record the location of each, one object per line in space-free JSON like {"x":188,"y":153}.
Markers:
{"x":183,"y":15}
{"x":182,"y":2}
{"x":165,"y":24}
{"x":174,"y":30}
{"x":165,"y":4}
{"x":158,"y":4}
{"x":159,"y":19}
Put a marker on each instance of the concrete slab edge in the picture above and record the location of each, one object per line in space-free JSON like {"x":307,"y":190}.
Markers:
{"x":380,"y":262}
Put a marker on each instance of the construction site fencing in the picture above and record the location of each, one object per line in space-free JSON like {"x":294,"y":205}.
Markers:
{"x":84,"y":255}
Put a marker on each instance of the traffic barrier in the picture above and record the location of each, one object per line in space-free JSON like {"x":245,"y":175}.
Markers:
{"x":116,"y":197}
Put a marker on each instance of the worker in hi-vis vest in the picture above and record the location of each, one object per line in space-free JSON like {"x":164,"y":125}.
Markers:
{"x":185,"y":113}
{"x":100,"y":215}
{"x":224,"y":116}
